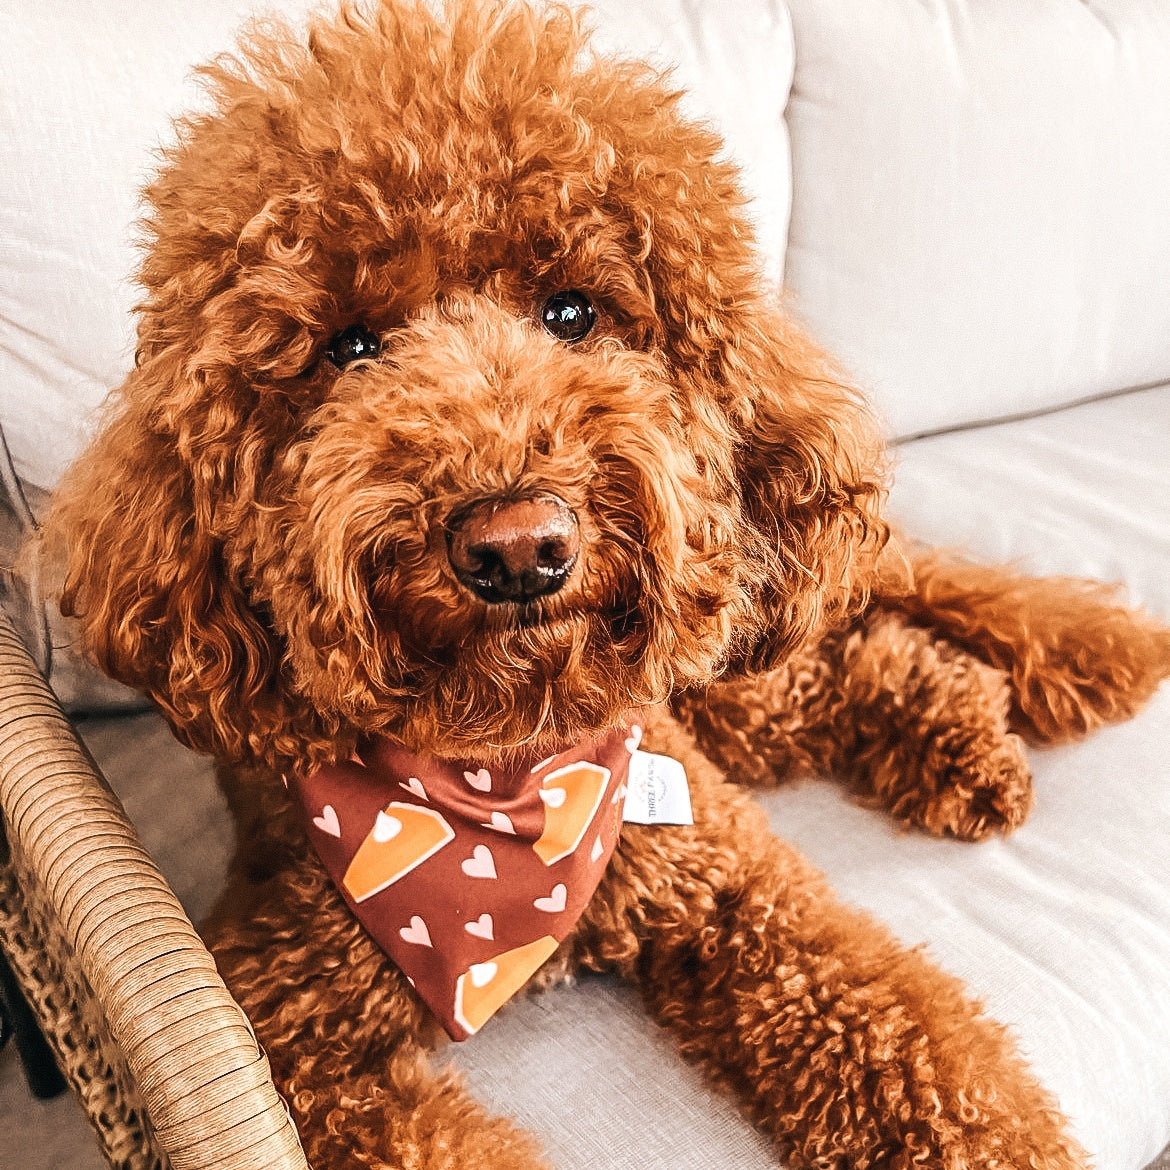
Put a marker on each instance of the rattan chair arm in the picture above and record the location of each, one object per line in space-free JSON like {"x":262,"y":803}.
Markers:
{"x":205,"y":1082}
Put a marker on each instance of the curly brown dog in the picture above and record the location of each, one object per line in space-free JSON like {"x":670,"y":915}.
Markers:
{"x":462,"y":421}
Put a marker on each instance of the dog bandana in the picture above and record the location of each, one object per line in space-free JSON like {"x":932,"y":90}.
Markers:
{"x":468,"y":877}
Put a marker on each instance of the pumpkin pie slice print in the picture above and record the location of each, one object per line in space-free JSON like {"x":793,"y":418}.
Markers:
{"x":571,"y":797}
{"x":485,"y":987}
{"x":403,"y":837}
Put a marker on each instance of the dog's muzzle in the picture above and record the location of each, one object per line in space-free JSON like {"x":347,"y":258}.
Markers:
{"x":514,"y":551}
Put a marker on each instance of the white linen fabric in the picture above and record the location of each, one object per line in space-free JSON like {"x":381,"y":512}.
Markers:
{"x":980,"y":209}
{"x":1084,"y":492}
{"x":87,"y":95}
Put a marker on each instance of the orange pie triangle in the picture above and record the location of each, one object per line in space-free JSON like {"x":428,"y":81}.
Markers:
{"x":485,"y":987}
{"x":403,"y":837}
{"x":571,"y":797}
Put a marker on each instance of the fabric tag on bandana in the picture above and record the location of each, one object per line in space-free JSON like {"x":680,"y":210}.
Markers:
{"x":657,"y":792}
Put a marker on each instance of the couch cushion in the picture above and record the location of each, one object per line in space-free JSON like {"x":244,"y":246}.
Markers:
{"x":86,"y":98}
{"x":1083,"y":491}
{"x":980,"y":200}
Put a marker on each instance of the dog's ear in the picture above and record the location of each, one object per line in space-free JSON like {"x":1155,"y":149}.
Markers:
{"x":811,"y":471}
{"x":808,"y":462}
{"x":131,"y":542}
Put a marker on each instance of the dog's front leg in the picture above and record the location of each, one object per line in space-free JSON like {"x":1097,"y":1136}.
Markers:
{"x":910,"y":721}
{"x":920,"y":703}
{"x":347,"y":1038}
{"x":849,"y":1049}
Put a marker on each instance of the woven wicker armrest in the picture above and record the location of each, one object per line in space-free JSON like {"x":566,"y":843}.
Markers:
{"x":83,"y":882}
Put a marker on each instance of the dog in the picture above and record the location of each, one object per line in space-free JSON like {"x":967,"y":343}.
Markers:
{"x":462,"y":432}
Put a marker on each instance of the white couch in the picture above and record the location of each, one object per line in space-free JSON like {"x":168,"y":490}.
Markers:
{"x":969,"y":201}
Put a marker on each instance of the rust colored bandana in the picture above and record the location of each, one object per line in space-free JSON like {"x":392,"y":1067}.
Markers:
{"x":468,"y":878}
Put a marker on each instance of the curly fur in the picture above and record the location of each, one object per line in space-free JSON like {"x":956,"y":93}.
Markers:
{"x":257,"y":541}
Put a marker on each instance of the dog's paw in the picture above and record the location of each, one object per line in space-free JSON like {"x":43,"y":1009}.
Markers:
{"x":969,"y":787}
{"x":928,"y":725}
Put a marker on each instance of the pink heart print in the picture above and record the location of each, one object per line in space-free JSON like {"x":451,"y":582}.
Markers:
{"x":481,"y":781}
{"x":480,"y":864}
{"x":416,"y":933}
{"x":482,"y":927}
{"x":414,"y":784}
{"x":501,"y":822}
{"x":555,"y":902}
{"x":327,"y":822}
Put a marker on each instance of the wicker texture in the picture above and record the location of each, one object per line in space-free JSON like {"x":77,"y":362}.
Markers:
{"x":162,"y":1058}
{"x":63,"y":1004}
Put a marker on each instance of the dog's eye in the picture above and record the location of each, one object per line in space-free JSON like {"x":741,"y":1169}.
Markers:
{"x":350,"y":344}
{"x":568,"y":315}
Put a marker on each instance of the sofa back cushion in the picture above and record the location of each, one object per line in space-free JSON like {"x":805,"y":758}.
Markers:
{"x":981,"y":209}
{"x":86,"y":97}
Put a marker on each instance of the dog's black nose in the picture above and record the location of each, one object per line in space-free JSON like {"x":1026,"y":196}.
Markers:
{"x":514,"y":550}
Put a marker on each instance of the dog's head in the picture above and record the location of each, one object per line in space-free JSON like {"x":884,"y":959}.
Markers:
{"x":460,"y":413}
